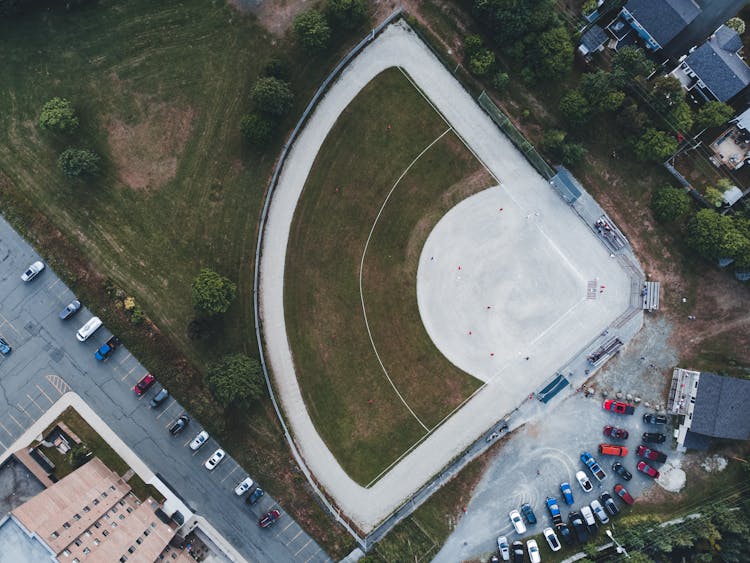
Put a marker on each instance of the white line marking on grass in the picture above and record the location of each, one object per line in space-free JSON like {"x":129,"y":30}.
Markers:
{"x":362,"y":265}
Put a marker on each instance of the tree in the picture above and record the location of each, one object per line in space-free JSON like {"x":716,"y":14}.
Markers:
{"x":481,"y":62}
{"x":77,"y":163}
{"x":59,"y":116}
{"x":78,"y":455}
{"x":346,"y":13}
{"x":681,"y":117}
{"x":312,"y":29}
{"x":256,"y":128}
{"x":559,"y":148}
{"x":713,"y":114}
{"x":277,"y":68}
{"x":236,"y":381}
{"x":655,"y":145}
{"x":212,"y":293}
{"x":574,"y":108}
{"x":631,"y":119}
{"x":630,"y":62}
{"x":272,"y":96}
{"x":669,"y":203}
{"x":551,"y":55}
{"x":713,"y":196}
{"x":500,"y":81}
{"x":601,"y":90}
{"x":666,"y":92}
{"x":736,"y":24}
{"x":712,"y":234}
{"x":512,"y":20}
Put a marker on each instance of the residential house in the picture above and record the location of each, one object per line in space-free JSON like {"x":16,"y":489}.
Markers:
{"x":592,"y":41}
{"x":732,"y":147}
{"x":655,"y":22}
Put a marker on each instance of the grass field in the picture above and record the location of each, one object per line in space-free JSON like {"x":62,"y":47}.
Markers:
{"x":350,"y":399}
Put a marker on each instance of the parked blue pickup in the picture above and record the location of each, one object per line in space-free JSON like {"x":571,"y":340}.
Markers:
{"x":593,"y":466}
{"x":107,"y":348}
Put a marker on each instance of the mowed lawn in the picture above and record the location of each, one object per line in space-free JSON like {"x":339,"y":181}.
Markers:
{"x":351,"y":401}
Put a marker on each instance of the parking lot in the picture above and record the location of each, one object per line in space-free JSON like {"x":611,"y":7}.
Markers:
{"x":47,"y":361}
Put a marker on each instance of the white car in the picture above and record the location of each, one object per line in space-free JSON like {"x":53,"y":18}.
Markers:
{"x":243,"y":486}
{"x":599,"y":511}
{"x":517,"y":521}
{"x":199,"y":440}
{"x":215,"y":459}
{"x":552,"y":541}
{"x":533,"y":551}
{"x":584,"y":482}
{"x":504,"y":548}
{"x":32,"y":271}
{"x":588,"y":516}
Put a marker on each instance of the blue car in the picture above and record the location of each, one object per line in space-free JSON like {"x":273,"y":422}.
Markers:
{"x":567,"y":493}
{"x":4,"y":347}
{"x":255,"y":495}
{"x":528,"y":513}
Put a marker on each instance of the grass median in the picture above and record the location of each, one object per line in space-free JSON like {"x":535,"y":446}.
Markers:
{"x":350,"y":399}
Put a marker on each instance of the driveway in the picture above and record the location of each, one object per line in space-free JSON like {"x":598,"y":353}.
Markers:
{"x":47,"y":361}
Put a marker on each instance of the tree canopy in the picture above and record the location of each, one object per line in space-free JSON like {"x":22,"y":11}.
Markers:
{"x":512,"y":20}
{"x":272,"y":96}
{"x":312,"y":29}
{"x":346,"y":13}
{"x":669,"y":203}
{"x":631,"y":62}
{"x":551,"y":54}
{"x":655,"y":145}
{"x":713,"y":114}
{"x":236,"y":380}
{"x":575,"y":108}
{"x":212,"y":293}
{"x":77,"y":163}
{"x":59,"y":116}
{"x":256,"y":128}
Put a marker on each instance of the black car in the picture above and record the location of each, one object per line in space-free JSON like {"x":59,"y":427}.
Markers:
{"x":528,"y":513}
{"x":654,"y":437}
{"x":609,"y":504}
{"x":159,"y":398}
{"x":579,"y":526}
{"x":255,"y":495}
{"x":652,"y":418}
{"x":564,"y":532}
{"x":517,"y":551}
{"x":619,"y":468}
{"x":179,"y":424}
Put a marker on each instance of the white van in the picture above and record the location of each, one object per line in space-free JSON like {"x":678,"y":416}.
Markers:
{"x":88,"y":329}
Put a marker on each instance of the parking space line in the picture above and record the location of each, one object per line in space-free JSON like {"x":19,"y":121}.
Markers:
{"x":6,"y":430}
{"x":294,"y":538}
{"x":230,"y":473}
{"x":21,"y":426}
{"x":35,"y":403}
{"x":313,"y":555}
{"x":53,"y":284}
{"x":162,"y":413}
{"x":60,"y":385}
{"x":3,"y":445}
{"x":128,"y":374}
{"x":51,"y":402}
{"x":10,"y":324}
{"x":127,"y":357}
{"x":301,"y":548}
{"x":24,"y":411}
{"x":291,"y":523}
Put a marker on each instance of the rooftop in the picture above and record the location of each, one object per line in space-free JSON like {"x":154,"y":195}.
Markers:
{"x":663,"y":19}
{"x":18,"y":545}
{"x":719,"y":65}
{"x":721,"y":407}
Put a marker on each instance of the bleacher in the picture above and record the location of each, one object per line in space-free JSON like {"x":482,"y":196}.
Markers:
{"x":650,"y":295}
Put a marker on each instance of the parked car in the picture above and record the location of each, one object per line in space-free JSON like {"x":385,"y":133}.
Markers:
{"x":579,"y":526}
{"x":646,"y":469}
{"x":619,"y":468}
{"x":564,"y":532}
{"x":623,"y":493}
{"x":567,"y":492}
{"x":5,"y":348}
{"x":517,"y":552}
{"x":494,"y":559}
{"x":593,"y":465}
{"x":611,"y":449}
{"x":528,"y":513}
{"x":654,"y":437}
{"x":533,"y":550}
{"x":143,"y":384}
{"x":215,"y":459}
{"x":618,"y":407}
{"x":179,"y":424}
{"x":159,"y":398}
{"x":552,"y":541}
{"x":269,"y":518}
{"x":243,"y":486}
{"x":515,"y":519}
{"x":199,"y":440}
{"x":598,"y":510}
{"x":503,"y":548}
{"x":588,"y":517}
{"x":32,"y":271}
{"x":554,"y":510}
{"x":584,"y":482}
{"x":616,"y":433}
{"x":653,"y":455}
{"x":71,"y":309}
{"x":653,"y":418}
{"x":106,"y":349}
{"x":255,"y":495}
{"x":609,"y":504}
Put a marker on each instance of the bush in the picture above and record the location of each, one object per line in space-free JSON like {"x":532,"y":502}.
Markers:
{"x":346,"y":13}
{"x":655,"y":145}
{"x":76,"y":163}
{"x":137,"y":315}
{"x":256,"y":128}
{"x":272,"y":96}
{"x":568,"y":153}
{"x":500,"y":81}
{"x":481,"y":62}
{"x":669,"y":203}
{"x":236,"y":380}
{"x":58,"y":116}
{"x":312,"y":29}
{"x":736,"y":24}
{"x":212,"y":293}
{"x":276,"y":68}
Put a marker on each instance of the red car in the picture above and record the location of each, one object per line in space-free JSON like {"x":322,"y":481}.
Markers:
{"x":616,"y":433}
{"x":653,"y":455}
{"x":623,"y":493}
{"x":644,"y":467}
{"x":618,"y":407}
{"x":612,"y":449}
{"x":269,"y":518}
{"x":142,"y":386}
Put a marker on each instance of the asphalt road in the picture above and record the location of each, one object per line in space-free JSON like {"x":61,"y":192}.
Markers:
{"x":47,"y":361}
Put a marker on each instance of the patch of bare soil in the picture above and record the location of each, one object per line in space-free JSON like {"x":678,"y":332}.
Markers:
{"x":276,"y":15}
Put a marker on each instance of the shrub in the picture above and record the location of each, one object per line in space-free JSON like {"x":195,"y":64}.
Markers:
{"x":481,"y":62}
{"x":272,"y":96}
{"x":76,"y":163}
{"x":312,"y":29}
{"x":58,"y":116}
{"x":655,"y":145}
{"x":346,"y":13}
{"x":501,"y":80}
{"x":256,"y":128}
{"x":212,"y":293}
{"x":669,"y":203}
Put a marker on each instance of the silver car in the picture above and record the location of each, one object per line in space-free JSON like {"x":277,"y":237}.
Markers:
{"x":32,"y":271}
{"x":215,"y":459}
{"x":199,"y":440}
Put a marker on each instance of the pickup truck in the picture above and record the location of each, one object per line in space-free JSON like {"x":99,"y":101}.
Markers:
{"x":554,"y":510}
{"x":107,"y":348}
{"x":593,"y":466}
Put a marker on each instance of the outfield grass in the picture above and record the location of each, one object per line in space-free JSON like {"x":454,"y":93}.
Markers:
{"x":352,"y":403}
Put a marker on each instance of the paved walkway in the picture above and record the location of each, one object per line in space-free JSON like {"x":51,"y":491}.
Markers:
{"x":524,"y":190}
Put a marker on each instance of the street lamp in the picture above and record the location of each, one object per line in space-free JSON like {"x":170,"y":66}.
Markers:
{"x":618,"y":547}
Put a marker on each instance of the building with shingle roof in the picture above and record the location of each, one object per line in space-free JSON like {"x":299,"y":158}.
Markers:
{"x":657,"y":22}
